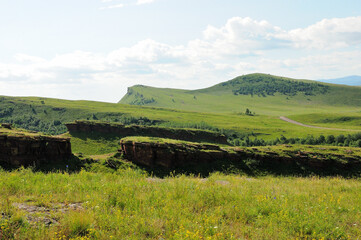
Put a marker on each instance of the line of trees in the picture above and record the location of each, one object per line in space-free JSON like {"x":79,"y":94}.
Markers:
{"x":269,"y":85}
{"x":350,"y":140}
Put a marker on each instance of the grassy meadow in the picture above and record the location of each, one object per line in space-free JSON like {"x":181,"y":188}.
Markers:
{"x":130,"y":204}
{"x":331,"y":120}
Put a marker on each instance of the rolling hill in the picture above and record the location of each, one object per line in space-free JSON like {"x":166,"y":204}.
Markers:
{"x":261,"y":93}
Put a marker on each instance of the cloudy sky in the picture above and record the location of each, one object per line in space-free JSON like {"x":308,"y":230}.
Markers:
{"x":95,"y":49}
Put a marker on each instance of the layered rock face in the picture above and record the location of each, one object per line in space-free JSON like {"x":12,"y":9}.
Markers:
{"x":29,"y":150}
{"x":123,"y":131}
{"x":170,"y":155}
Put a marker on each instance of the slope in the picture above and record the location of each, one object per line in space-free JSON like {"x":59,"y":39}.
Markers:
{"x":261,"y":93}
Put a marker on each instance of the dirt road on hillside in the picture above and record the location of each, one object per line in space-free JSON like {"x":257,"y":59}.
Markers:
{"x":310,"y":126}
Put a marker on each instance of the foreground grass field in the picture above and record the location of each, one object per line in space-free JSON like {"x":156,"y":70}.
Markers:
{"x":129,"y":204}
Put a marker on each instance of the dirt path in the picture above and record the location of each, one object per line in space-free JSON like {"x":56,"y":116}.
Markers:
{"x":310,"y":126}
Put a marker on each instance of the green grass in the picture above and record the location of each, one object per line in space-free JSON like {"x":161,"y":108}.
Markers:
{"x":163,"y":140}
{"x":93,"y":143}
{"x":320,"y":151}
{"x":331,"y":120}
{"x":129,"y":204}
{"x":18,"y":132}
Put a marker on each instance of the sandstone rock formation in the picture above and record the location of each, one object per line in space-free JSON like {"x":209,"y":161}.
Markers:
{"x":25,"y":150}
{"x":170,"y":155}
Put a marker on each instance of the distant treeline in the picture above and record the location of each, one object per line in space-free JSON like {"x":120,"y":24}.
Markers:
{"x":350,"y":140}
{"x":269,"y":85}
{"x":55,"y":127}
{"x":50,"y":120}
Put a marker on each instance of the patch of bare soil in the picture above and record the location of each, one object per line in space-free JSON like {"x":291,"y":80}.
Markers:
{"x":103,"y":156}
{"x":47,"y":215}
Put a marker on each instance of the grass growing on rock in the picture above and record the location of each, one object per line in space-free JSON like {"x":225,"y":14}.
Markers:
{"x":165,"y":140}
{"x":19,"y":132}
{"x":130,"y":204}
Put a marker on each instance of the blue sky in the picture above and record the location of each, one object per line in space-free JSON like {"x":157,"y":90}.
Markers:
{"x":95,"y":49}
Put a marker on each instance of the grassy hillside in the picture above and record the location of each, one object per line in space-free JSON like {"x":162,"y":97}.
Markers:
{"x":49,"y":115}
{"x":261,"y":93}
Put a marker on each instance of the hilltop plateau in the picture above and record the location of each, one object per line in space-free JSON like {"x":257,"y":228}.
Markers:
{"x":265,"y":94}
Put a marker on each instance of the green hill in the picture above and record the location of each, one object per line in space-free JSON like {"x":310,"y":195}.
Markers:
{"x":261,"y":93}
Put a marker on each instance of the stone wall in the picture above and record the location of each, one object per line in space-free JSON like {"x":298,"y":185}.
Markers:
{"x":149,"y":131}
{"x":29,"y":150}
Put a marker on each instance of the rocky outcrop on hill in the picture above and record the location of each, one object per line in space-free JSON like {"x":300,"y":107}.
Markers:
{"x":22,"y":150}
{"x":170,"y":155}
{"x":135,"y":130}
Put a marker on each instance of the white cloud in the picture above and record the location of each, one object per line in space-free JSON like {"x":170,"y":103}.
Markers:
{"x":241,"y":46}
{"x":328,"y":33}
{"x":246,"y":33}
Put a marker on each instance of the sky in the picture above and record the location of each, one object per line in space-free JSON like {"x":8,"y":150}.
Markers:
{"x":96,"y":49}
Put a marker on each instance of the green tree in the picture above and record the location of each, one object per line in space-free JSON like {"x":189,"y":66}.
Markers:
{"x":330,"y":139}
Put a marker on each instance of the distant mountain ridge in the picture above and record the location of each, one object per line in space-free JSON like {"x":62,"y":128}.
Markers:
{"x":354,"y":80}
{"x":263,"y":93}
